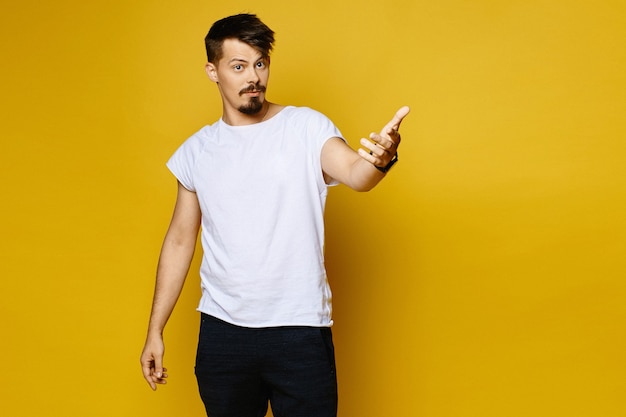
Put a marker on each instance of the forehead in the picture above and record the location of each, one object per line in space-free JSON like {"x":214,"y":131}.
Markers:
{"x":235,"y":50}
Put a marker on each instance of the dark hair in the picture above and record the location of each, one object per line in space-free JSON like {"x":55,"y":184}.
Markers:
{"x":245,"y":27}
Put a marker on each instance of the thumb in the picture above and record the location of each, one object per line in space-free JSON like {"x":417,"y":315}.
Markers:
{"x":158,"y":366}
{"x":394,"y":123}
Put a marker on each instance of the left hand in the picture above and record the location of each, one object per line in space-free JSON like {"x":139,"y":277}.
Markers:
{"x":152,"y":362}
{"x":382,"y":147}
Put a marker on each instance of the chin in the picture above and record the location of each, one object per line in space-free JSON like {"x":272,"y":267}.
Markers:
{"x":253,"y":107}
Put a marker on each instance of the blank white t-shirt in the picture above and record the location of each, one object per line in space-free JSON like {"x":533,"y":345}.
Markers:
{"x":262,"y":195}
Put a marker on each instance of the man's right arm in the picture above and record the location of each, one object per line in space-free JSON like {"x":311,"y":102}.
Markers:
{"x":174,"y":261}
{"x":358,"y":170}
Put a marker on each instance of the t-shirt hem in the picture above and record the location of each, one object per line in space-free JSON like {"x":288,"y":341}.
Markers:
{"x":265,"y":324}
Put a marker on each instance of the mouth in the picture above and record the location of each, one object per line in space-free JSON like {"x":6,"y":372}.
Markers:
{"x":252,"y":91}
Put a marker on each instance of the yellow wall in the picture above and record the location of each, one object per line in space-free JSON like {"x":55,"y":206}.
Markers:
{"x":485,"y":277}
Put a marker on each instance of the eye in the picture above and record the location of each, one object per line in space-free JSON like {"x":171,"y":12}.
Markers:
{"x":238,"y":67}
{"x":260,"y":64}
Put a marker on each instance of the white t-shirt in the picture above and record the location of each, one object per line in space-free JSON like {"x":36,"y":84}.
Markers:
{"x":262,"y":195}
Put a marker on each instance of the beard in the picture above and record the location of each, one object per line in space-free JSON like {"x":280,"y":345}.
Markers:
{"x":255,"y":105}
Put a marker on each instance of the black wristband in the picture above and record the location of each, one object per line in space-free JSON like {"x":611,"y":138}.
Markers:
{"x":389,"y":165}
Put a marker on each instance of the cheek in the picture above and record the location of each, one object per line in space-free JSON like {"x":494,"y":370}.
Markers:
{"x":229,"y":86}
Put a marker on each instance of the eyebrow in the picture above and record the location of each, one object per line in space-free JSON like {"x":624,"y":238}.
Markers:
{"x":260,"y":58}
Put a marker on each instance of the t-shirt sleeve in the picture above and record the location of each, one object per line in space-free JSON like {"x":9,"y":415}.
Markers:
{"x":183,"y":161}
{"x":320,"y":129}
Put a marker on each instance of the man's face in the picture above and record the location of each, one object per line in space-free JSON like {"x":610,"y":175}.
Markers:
{"x":241,"y":75}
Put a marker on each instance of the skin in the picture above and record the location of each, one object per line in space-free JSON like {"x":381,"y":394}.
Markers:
{"x":241,"y":76}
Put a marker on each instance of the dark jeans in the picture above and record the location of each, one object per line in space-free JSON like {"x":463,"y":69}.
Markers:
{"x":240,"y":369}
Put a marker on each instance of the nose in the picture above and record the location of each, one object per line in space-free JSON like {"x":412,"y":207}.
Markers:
{"x":253,"y":76}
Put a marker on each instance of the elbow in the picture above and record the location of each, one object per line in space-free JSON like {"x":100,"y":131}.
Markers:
{"x":365,"y":184}
{"x":363,"y":187}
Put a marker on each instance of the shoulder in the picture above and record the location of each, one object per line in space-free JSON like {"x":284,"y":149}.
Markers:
{"x":305,"y":116}
{"x":314,"y":127}
{"x":200,"y":138}
{"x":188,"y":151}
{"x":301,"y":111}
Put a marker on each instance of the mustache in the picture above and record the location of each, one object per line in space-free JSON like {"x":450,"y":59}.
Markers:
{"x":253,"y":89}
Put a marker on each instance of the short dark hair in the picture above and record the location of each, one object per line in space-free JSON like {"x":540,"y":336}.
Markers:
{"x":247,"y":28}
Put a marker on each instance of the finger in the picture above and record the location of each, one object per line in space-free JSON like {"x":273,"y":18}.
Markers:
{"x":385,"y":143}
{"x":369,"y":157}
{"x":158,"y":367}
{"x":372,"y":147}
{"x":394,"y":123}
{"x":147,"y":369}
{"x":164,"y":375}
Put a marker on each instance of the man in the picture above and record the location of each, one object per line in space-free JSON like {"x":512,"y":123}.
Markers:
{"x":257,"y":181}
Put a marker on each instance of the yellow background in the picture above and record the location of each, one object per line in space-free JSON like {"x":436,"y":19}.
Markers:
{"x":484,"y":277}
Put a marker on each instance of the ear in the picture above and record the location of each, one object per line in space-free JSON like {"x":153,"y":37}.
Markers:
{"x":211,"y":71}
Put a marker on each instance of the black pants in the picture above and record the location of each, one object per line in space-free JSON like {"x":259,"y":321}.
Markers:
{"x":240,"y":369}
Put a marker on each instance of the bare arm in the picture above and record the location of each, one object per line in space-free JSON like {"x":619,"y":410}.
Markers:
{"x":174,"y":261}
{"x":358,"y":169}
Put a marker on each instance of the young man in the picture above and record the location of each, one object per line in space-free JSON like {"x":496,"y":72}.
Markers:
{"x":257,"y":181}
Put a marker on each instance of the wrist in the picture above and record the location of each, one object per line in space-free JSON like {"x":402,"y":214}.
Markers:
{"x":155,"y":332}
{"x":387,"y":167}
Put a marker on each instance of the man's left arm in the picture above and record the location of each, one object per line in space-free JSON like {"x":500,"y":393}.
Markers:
{"x":363,"y":169}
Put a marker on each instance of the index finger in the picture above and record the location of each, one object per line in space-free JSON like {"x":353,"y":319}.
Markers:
{"x":394,"y":124}
{"x":147,"y":374}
